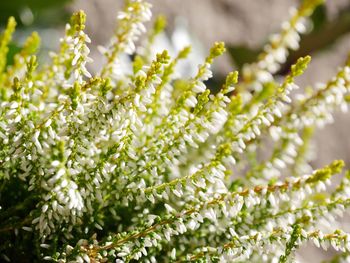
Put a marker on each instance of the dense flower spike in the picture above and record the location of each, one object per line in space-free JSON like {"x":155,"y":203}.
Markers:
{"x":130,"y":26}
{"x":140,"y":164}
{"x":276,"y":51}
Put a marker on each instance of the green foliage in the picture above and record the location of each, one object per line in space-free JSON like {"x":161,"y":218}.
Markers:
{"x":4,"y":42}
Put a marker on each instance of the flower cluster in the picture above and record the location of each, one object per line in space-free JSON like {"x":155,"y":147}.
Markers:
{"x":136,"y":163}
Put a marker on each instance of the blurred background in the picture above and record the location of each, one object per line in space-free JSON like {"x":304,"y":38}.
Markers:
{"x":243,"y":25}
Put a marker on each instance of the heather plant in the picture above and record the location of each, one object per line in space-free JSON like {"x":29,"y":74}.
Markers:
{"x":137,"y":163}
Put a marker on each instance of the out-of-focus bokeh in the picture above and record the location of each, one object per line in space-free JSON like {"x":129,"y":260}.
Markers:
{"x":243,"y":25}
{"x":37,"y":12}
{"x":47,"y":17}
